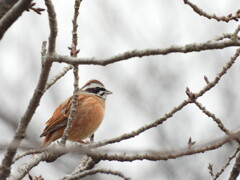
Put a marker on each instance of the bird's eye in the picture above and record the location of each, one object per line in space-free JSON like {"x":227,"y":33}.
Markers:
{"x":98,"y":89}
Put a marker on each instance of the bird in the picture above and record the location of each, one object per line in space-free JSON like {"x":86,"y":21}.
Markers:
{"x":88,"y":117}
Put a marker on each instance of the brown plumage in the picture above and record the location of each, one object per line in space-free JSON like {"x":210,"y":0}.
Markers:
{"x":88,"y":117}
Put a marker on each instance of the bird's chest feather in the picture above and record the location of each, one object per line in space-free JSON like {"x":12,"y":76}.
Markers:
{"x":88,"y":117}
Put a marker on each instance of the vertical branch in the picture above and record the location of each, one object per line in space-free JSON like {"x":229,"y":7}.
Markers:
{"x":73,"y":53}
{"x":74,"y":21}
{"x":73,"y":106}
{"x":7,"y":161}
{"x":236,"y":169}
{"x":53,"y":26}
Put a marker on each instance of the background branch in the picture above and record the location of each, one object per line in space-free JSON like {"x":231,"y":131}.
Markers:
{"x":7,"y":161}
{"x":12,"y":15}
{"x":200,"y":12}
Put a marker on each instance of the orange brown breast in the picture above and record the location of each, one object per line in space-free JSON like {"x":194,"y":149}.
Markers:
{"x":88,"y":117}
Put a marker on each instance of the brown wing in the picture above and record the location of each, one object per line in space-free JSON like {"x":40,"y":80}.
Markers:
{"x":59,"y":117}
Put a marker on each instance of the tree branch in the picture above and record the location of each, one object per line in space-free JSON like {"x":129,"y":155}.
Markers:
{"x":73,"y":106}
{"x":57,"y":150}
{"x":213,"y":16}
{"x":58,"y":76}
{"x":157,"y":156}
{"x":211,"y":115}
{"x":12,"y":15}
{"x":225,"y":165}
{"x":95,"y":171}
{"x":52,"y":25}
{"x":236,"y":169}
{"x":7,"y":161}
{"x":195,"y":47}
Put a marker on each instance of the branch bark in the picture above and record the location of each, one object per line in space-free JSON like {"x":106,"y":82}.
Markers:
{"x":195,"y":47}
{"x":12,"y":15}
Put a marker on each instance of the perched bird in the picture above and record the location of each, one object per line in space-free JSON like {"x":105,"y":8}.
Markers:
{"x":89,"y":114}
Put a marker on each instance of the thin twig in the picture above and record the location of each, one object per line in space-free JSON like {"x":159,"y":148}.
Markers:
{"x":58,"y":76}
{"x":141,"y":129}
{"x":199,"y":11}
{"x":52,"y":25}
{"x":26,"y":153}
{"x":236,"y":169}
{"x":95,"y":171}
{"x":75,"y":72}
{"x":85,"y":164}
{"x":235,"y":34}
{"x":220,"y":74}
{"x":226,"y":164}
{"x":211,"y":115}
{"x":74,"y":22}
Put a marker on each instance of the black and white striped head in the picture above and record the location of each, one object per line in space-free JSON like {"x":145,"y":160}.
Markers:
{"x":97,"y":88}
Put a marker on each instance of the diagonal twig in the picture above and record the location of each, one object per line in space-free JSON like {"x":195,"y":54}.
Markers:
{"x":95,"y":171}
{"x":199,"y":11}
{"x":58,"y":76}
{"x":226,"y":164}
{"x":213,"y":116}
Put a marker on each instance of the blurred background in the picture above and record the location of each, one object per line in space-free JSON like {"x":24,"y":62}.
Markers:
{"x":144,"y":88}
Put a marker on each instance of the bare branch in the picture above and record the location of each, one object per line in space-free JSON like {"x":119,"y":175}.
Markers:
{"x":211,"y":115}
{"x":74,"y":22}
{"x":52,"y":25}
{"x":199,"y":11}
{"x":157,"y":156}
{"x":236,"y":169}
{"x":225,"y":165}
{"x":85,"y":164}
{"x":58,"y":150}
{"x":58,"y":76}
{"x":95,"y":171}
{"x":12,"y":15}
{"x":209,"y":45}
{"x":141,"y":129}
{"x":75,"y":72}
{"x":5,"y":6}
{"x":24,"y":169}
{"x":7,"y":161}
{"x":26,"y":153}
{"x":73,"y":106}
{"x":220,"y":74}
{"x":236,"y":31}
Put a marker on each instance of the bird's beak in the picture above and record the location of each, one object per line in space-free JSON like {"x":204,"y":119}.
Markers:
{"x":108,"y":92}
